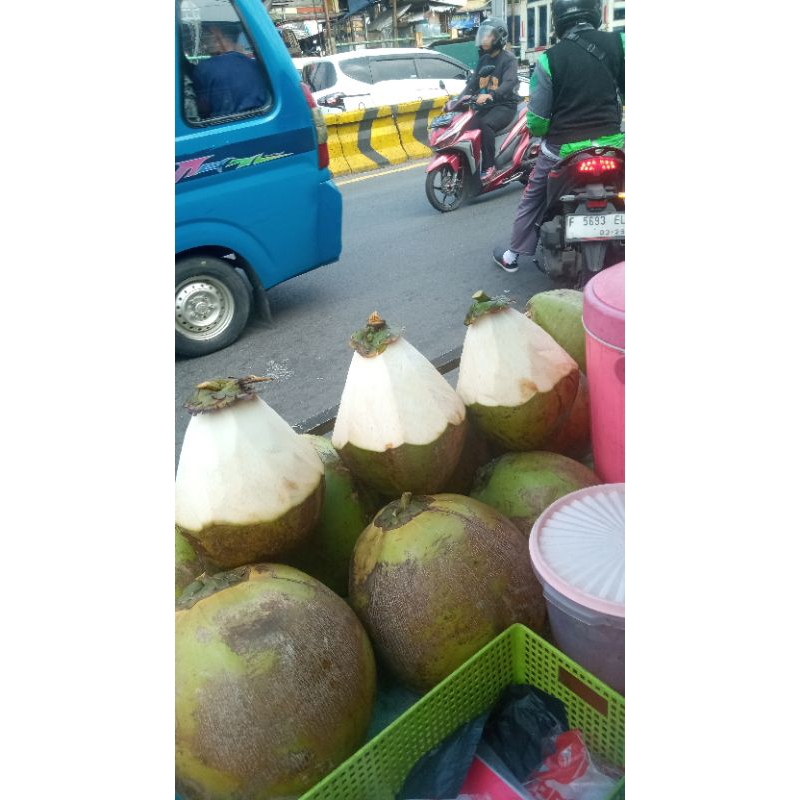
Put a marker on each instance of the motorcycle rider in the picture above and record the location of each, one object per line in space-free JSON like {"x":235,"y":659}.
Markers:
{"x":498,"y":98}
{"x":576,"y":98}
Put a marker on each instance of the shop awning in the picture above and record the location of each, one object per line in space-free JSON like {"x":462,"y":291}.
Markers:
{"x":357,"y":7}
{"x":384,"y":19}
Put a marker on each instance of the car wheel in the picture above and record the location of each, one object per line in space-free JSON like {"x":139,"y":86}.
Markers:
{"x":212,"y":305}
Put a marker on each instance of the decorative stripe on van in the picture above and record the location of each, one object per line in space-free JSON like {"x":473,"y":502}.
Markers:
{"x":241,"y":155}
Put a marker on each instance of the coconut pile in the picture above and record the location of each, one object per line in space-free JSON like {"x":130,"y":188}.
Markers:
{"x":306,"y":565}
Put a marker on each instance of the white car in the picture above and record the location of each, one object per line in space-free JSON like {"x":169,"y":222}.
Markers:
{"x":300,"y":62}
{"x":382,"y":76}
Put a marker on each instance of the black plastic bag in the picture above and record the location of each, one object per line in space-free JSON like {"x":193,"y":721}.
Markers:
{"x":519,"y":726}
{"x":439,"y":774}
{"x":516,"y":728}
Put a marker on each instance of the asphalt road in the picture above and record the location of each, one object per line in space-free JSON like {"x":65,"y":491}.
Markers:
{"x":417,"y":267}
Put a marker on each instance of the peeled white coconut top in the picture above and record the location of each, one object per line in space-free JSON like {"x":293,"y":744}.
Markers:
{"x":396,"y":397}
{"x":242,"y":464}
{"x":507,"y":359}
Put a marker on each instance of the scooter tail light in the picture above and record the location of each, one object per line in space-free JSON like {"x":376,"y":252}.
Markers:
{"x":596,"y":203}
{"x":598,"y":165}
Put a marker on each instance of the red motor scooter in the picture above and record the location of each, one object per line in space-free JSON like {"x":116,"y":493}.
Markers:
{"x":454,"y":172}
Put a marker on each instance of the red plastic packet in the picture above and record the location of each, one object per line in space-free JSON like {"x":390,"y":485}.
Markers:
{"x":569,"y":774}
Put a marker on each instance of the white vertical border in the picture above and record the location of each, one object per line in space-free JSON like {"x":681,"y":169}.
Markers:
{"x":88,"y":365}
{"x":712,"y":417}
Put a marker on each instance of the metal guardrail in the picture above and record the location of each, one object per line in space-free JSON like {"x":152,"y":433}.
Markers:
{"x":323,"y":423}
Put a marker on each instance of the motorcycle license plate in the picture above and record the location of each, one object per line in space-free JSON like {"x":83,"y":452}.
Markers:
{"x":587,"y":227}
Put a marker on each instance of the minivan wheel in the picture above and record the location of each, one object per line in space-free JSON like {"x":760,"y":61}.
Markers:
{"x":212,"y":304}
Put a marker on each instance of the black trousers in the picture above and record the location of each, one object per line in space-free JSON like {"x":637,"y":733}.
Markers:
{"x":495,"y":119}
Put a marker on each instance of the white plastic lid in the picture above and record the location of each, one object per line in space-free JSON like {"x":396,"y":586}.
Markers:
{"x":577,"y":546}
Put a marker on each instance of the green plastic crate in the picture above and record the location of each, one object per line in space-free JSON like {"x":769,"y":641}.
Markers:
{"x":378,"y":770}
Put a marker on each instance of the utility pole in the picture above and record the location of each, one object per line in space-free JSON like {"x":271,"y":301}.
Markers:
{"x":328,"y":34}
{"x":394,"y":22}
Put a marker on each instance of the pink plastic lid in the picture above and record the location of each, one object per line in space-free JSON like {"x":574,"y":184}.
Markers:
{"x":577,"y":546}
{"x":604,"y":306}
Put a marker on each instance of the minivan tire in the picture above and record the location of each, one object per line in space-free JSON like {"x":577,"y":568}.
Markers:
{"x":212,"y":305}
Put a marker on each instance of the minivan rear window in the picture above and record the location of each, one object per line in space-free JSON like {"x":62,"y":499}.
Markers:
{"x":222,"y":74}
{"x":357,"y":69}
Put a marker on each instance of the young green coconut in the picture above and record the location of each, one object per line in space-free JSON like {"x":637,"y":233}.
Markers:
{"x":522,"y":485}
{"x":560,"y":313}
{"x":400,"y":425}
{"x":517,"y":382}
{"x":248,"y":488}
{"x":573,"y":436}
{"x":187,"y":565}
{"x":347,"y":508}
{"x":274,"y":684}
{"x":436,"y":577}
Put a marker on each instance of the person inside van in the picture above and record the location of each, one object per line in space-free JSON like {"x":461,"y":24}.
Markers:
{"x":228,"y":82}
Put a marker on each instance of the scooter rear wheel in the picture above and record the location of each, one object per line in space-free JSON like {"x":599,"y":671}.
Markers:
{"x":445,"y":189}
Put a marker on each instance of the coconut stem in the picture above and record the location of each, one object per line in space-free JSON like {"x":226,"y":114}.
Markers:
{"x":220,"y":393}
{"x":374,"y":338}
{"x":482,"y":304}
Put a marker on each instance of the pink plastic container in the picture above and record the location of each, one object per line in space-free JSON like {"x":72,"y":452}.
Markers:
{"x":604,"y":323}
{"x":577,"y":548}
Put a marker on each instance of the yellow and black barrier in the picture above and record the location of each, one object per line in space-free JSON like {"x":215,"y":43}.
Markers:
{"x":368,"y":140}
{"x":412,"y":120}
{"x":359,"y":141}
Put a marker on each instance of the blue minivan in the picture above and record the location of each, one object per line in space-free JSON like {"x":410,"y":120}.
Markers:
{"x":255,"y":203}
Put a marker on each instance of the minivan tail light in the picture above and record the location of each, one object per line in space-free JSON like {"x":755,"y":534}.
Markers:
{"x":597,"y":165}
{"x":323,"y":157}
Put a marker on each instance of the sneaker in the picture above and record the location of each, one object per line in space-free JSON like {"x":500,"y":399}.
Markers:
{"x":489,"y":174}
{"x":499,"y":258}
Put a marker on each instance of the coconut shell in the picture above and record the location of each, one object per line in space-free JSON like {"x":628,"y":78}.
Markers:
{"x":187,"y":565}
{"x":347,"y":508}
{"x":517,"y":383}
{"x":476,"y":452}
{"x":522,"y":485}
{"x":410,"y":467}
{"x":560,"y":313}
{"x":436,"y":577}
{"x":527,"y":426}
{"x":229,"y":545}
{"x":573,"y":437}
{"x":248,"y":488}
{"x":275,"y":685}
{"x":400,"y":425}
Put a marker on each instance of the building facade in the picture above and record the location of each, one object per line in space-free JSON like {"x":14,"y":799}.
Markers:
{"x":358,"y":23}
{"x":530,"y":24}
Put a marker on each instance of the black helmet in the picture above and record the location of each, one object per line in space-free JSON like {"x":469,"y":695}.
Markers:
{"x":496,"y":29}
{"x":567,"y":13}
